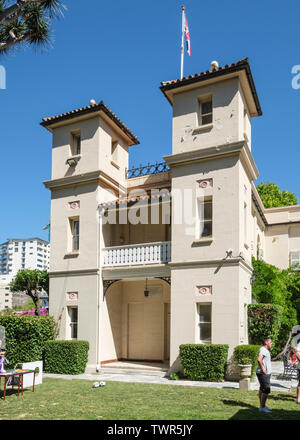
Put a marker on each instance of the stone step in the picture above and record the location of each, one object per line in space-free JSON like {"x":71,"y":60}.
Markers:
{"x":134,"y":371}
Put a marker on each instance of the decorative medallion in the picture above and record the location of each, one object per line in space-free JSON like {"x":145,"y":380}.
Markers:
{"x":74,"y":205}
{"x":72,"y":296}
{"x":205,"y":183}
{"x":204,"y":290}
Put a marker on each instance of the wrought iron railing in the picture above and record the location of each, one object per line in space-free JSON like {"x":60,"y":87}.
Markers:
{"x":144,"y":170}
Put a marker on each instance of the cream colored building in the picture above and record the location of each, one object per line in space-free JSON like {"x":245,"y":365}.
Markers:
{"x":137,"y":290}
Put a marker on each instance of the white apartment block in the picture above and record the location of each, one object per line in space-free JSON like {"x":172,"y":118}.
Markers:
{"x":17,"y":254}
{"x":5,"y":293}
{"x":24,"y":253}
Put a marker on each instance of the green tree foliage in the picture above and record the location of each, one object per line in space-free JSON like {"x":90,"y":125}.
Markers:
{"x":272,"y":196}
{"x":281,"y":287}
{"x":264,"y":320}
{"x":27,"y":22}
{"x":31,"y":282}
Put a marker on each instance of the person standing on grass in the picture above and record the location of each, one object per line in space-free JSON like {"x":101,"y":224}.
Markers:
{"x":298,"y":371}
{"x":263,"y":373}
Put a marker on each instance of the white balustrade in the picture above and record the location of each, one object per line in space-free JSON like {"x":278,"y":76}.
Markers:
{"x":137,"y":254}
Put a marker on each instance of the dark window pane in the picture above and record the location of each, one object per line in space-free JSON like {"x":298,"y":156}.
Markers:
{"x":75,"y":243}
{"x":76,"y":227}
{"x":205,"y":333}
{"x":206,"y":119}
{"x":205,"y":313}
{"x":206,"y":107}
{"x":206,"y":229}
{"x":208,"y":210}
{"x":74,"y":331}
{"x":74,"y":314}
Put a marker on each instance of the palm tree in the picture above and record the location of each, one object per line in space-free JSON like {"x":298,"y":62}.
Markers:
{"x":27,"y":21}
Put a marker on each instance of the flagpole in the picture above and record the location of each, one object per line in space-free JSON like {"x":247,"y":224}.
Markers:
{"x":182,"y":43}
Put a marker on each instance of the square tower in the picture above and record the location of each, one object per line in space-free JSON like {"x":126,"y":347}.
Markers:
{"x":212,"y":172}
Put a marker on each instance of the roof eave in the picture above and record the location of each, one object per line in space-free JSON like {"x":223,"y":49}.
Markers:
{"x":215,"y":74}
{"x":50,"y":123}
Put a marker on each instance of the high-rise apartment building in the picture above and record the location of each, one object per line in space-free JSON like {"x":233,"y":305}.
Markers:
{"x":23,"y":253}
{"x":17,"y":254}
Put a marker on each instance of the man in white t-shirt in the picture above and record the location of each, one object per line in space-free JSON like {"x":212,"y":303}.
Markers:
{"x":263,"y":373}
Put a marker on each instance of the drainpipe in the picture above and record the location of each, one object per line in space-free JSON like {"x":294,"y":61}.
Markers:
{"x":100,"y":289}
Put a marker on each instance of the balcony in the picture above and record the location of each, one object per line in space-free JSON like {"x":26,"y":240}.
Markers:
{"x":137,"y":254}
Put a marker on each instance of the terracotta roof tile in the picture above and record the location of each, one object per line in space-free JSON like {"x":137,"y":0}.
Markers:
{"x":228,"y":68}
{"x":91,"y":109}
{"x":207,"y":72}
{"x":134,"y":199}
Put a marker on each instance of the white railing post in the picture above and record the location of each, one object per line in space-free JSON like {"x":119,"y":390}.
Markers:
{"x":138,"y":254}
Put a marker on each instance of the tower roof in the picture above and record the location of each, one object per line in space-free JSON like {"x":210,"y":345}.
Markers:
{"x":93,"y":108}
{"x":169,"y":88}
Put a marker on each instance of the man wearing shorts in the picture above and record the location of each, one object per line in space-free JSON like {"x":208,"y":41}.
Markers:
{"x":263,"y":373}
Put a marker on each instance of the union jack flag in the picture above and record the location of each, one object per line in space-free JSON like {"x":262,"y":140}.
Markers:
{"x":187,"y":36}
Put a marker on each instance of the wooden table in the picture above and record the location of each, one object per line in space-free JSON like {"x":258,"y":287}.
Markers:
{"x":14,"y":373}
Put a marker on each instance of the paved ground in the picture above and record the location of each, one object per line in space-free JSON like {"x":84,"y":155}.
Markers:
{"x":157,"y":377}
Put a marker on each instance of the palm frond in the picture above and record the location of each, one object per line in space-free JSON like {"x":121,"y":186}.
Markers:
{"x":54,"y":8}
{"x":30,"y":24}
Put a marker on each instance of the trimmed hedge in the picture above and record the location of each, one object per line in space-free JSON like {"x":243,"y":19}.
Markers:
{"x":247,"y":351}
{"x":26,"y":337}
{"x":204,"y":362}
{"x":264,"y":320}
{"x":66,"y":357}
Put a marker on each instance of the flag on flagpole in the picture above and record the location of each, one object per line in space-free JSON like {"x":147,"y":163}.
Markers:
{"x":187,"y":35}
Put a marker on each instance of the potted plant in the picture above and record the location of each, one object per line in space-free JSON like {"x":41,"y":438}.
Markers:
{"x":245,"y":366}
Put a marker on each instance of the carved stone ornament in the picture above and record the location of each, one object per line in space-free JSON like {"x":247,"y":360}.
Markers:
{"x":205,"y":183}
{"x":72,"y":296}
{"x":74,"y":205}
{"x":204,"y":290}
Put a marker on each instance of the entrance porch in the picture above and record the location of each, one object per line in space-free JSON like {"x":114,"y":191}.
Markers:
{"x":135,"y":323}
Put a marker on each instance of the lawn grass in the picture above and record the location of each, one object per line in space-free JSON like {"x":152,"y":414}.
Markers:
{"x":59,"y":399}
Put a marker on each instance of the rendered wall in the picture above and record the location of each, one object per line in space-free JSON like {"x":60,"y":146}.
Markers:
{"x":86,"y":286}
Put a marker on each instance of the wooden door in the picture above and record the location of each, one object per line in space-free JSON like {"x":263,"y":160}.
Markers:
{"x":136,"y":331}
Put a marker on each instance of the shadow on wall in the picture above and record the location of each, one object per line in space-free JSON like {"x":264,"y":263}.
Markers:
{"x":176,"y":366}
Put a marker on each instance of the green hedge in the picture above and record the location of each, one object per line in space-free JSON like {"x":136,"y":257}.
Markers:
{"x":26,"y":337}
{"x":242,"y":352}
{"x":204,"y":362}
{"x":66,"y":357}
{"x":264,"y":320}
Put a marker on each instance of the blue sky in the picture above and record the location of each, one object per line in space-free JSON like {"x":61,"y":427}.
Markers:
{"x":120,"y":52}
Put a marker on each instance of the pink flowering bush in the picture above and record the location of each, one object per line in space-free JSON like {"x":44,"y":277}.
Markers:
{"x":44,"y":312}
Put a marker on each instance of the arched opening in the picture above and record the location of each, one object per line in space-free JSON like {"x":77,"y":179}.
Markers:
{"x":136,"y":327}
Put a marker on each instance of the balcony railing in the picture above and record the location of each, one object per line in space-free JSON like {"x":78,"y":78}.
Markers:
{"x":137,"y":254}
{"x":144,"y":170}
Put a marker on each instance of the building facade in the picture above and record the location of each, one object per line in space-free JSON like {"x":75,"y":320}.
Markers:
{"x":144,"y":260}
{"x":17,"y":254}
{"x":24,"y":253}
{"x":5,"y":293}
